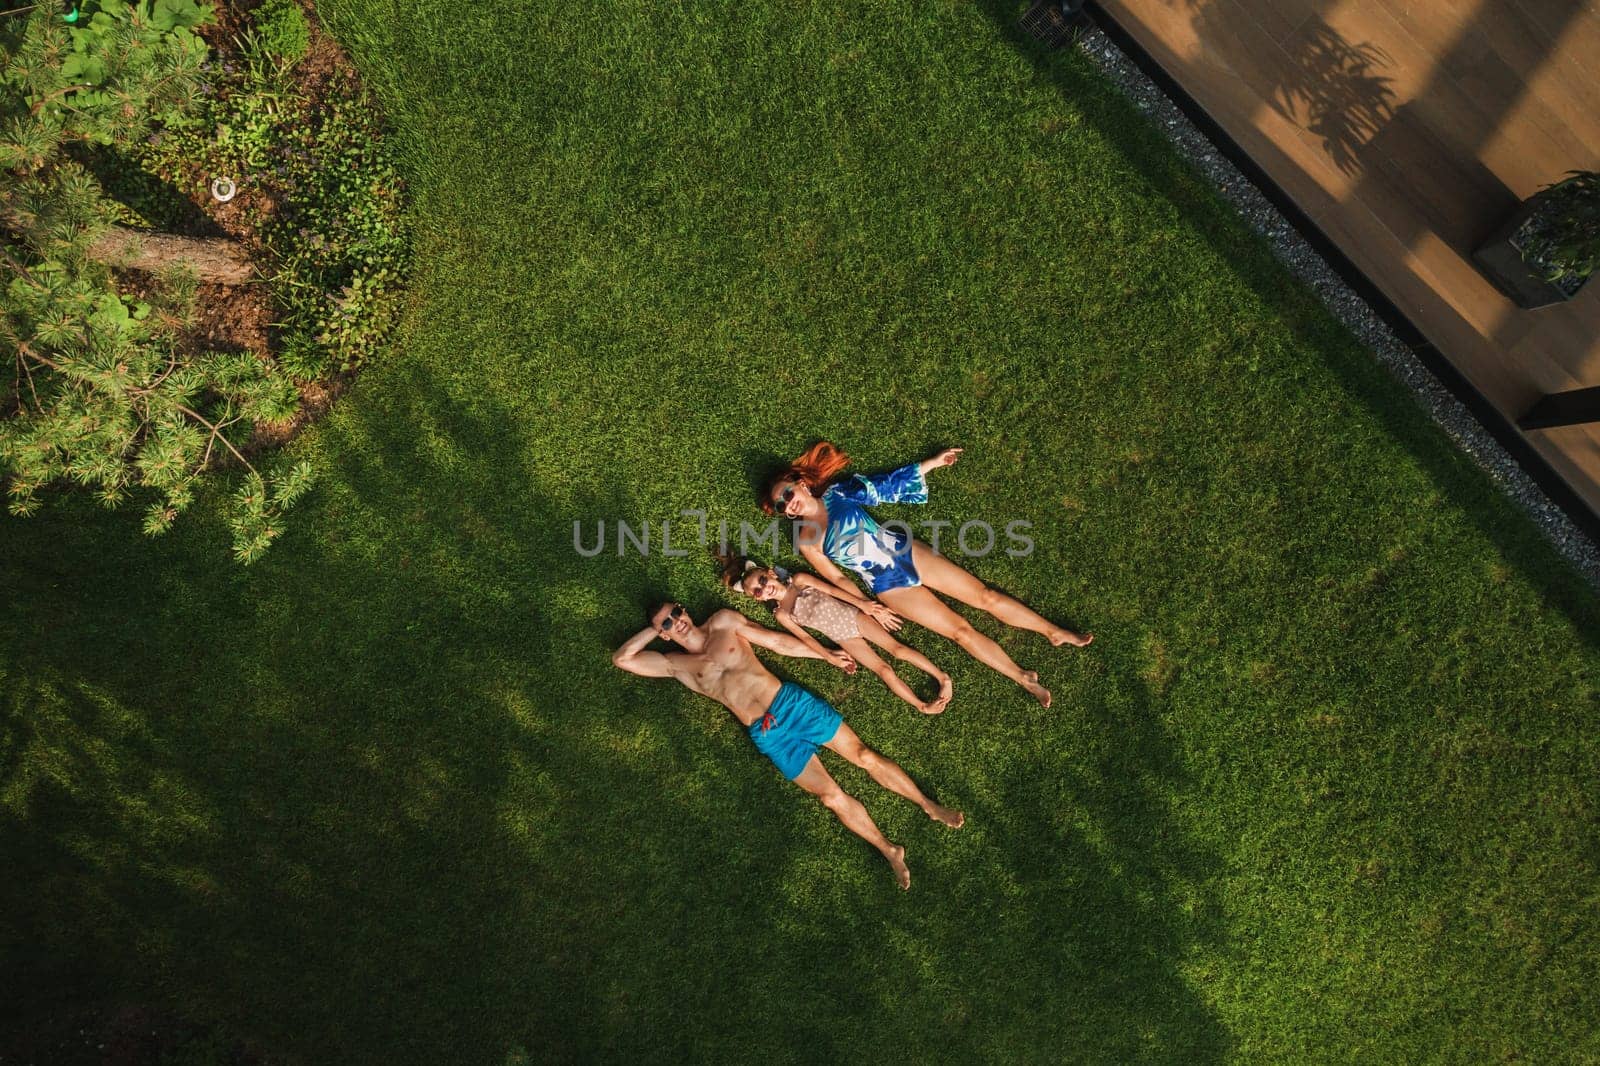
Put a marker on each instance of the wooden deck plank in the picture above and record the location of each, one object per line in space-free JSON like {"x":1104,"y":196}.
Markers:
{"x":1281,"y":20}
{"x":1495,"y":60}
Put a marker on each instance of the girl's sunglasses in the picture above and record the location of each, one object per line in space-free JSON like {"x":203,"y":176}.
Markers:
{"x":671,"y":618}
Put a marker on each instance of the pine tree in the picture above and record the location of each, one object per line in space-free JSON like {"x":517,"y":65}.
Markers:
{"x":108,"y":393}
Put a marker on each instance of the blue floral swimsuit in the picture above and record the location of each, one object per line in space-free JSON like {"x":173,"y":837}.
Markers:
{"x":855,"y":540}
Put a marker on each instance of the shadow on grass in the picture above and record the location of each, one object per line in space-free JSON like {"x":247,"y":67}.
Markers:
{"x":1079,"y":898}
{"x":1120,"y":902}
{"x":383,"y":796}
{"x":341,"y":803}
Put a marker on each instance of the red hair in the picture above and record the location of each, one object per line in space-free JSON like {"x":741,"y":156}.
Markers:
{"x":814,"y":468}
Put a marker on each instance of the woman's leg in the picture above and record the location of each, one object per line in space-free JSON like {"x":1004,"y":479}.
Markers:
{"x":880,"y":636}
{"x":944,"y":576}
{"x":925,"y":609}
{"x":862,"y":652}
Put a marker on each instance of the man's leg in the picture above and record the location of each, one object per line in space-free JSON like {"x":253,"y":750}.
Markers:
{"x":816,"y":780}
{"x":887,"y":773}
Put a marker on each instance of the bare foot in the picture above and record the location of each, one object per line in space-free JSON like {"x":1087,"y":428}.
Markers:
{"x":942,"y":700}
{"x":932,"y":707}
{"x":1067,"y":636}
{"x":897,"y":859}
{"x":953,"y":819}
{"x":1030,"y":681}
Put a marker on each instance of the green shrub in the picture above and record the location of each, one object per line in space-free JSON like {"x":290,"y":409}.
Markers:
{"x":281,"y":30}
{"x":340,"y":236}
{"x":302,"y":357}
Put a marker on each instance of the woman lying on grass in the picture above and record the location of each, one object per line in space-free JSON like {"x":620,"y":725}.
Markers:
{"x":844,"y":617}
{"x":901,"y":571}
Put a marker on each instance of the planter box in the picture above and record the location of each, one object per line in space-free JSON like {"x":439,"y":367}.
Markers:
{"x":1500,"y":260}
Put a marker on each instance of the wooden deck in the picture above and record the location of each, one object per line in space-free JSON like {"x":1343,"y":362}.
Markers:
{"x":1407,"y":130}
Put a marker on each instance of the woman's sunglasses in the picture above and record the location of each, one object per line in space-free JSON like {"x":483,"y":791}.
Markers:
{"x":785,"y":496}
{"x":671,"y":618}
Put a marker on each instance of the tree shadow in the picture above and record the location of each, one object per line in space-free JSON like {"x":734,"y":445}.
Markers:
{"x":1124,"y":898}
{"x":385,"y":790}
{"x":1445,"y":190}
{"x":165,"y":205}
{"x":1439,"y":172}
{"x":347,"y":793}
{"x":1328,"y":85}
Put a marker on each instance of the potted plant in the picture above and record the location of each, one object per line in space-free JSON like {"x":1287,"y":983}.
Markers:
{"x":1547,"y":250}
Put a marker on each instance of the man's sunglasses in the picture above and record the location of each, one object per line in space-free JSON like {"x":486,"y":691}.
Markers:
{"x":672,"y":617}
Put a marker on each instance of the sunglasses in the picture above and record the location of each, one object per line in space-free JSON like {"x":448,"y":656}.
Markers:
{"x":671,"y":618}
{"x":785,"y":496}
{"x":762,"y":584}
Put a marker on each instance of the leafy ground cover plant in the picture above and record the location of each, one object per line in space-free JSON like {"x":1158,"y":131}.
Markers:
{"x":1562,"y":238}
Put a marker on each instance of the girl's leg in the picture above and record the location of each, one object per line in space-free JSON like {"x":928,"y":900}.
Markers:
{"x":862,"y":652}
{"x":926,"y":609}
{"x":944,"y":576}
{"x":880,"y":636}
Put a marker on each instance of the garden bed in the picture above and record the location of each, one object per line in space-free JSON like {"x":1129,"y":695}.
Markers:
{"x":318,"y":204}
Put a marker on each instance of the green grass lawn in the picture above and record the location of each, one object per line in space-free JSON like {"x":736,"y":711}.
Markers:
{"x":1323,"y":788}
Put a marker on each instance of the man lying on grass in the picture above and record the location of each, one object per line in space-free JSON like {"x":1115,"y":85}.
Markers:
{"x":787,"y":723}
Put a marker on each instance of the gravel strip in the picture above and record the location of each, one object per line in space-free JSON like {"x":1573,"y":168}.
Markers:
{"x":1350,"y":309}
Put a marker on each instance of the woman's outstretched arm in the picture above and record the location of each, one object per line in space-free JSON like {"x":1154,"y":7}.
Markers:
{"x":947,"y":457}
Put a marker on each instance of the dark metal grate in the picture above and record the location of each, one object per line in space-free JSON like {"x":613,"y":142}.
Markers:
{"x":1052,"y":23}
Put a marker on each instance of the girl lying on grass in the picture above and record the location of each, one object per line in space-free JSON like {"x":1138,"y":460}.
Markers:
{"x":849,"y":620}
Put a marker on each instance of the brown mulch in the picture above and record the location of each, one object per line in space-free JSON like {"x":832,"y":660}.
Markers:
{"x":311,"y":73}
{"x":322,"y":59}
{"x":234,"y":317}
{"x":239,"y":217}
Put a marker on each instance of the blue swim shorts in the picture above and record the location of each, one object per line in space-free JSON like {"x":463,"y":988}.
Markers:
{"x":794,"y":727}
